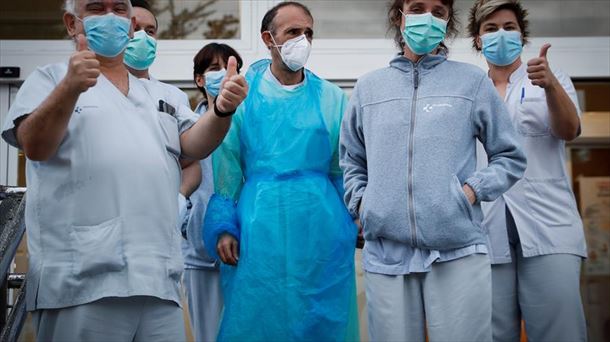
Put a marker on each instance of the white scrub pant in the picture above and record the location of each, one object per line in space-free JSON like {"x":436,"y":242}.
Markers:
{"x":543,"y":290}
{"x":138,"y":318}
{"x":452,"y":302}
{"x":205,"y":302}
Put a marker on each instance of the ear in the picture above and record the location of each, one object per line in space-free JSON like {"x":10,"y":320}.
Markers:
{"x":399,"y":21}
{"x":478,"y":42}
{"x":200,"y":80}
{"x":132,"y":26}
{"x":72,"y":27}
{"x":266,"y":37}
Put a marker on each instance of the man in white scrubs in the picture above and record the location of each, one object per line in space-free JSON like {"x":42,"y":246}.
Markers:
{"x":102,"y":175}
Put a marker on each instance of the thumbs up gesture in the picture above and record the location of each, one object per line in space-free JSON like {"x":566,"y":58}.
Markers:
{"x":83,"y":67}
{"x":538,"y":69}
{"x":233,"y":89}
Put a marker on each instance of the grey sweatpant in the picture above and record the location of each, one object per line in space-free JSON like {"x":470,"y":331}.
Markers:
{"x":138,"y":318}
{"x":452,"y":301}
{"x":543,"y":290}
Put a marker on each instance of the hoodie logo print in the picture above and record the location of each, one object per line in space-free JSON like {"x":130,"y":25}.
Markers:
{"x":429,"y":107}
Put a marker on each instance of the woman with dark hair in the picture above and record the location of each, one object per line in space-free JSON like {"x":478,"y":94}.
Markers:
{"x":408,"y":152}
{"x":201,"y":271}
{"x":536,"y":235}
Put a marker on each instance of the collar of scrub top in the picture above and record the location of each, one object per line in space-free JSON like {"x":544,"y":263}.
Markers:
{"x":202,"y":107}
{"x":261,"y":67}
{"x":518,"y":74}
{"x":271,"y":77}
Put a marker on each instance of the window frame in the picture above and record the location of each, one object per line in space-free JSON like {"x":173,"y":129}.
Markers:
{"x":334,"y":59}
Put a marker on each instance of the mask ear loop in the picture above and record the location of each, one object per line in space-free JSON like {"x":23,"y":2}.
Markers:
{"x":275,"y":43}
{"x":81,"y":20}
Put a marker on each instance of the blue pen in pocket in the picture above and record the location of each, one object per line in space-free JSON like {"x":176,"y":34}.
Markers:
{"x":522,"y":94}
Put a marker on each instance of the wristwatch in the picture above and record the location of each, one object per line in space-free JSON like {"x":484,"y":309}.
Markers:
{"x":219,"y":113}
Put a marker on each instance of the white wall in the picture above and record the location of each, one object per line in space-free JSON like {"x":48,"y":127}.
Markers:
{"x":335,"y":59}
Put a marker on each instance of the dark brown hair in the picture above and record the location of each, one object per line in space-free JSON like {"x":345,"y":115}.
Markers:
{"x":205,"y":57}
{"x":145,"y":5}
{"x":267,"y":23}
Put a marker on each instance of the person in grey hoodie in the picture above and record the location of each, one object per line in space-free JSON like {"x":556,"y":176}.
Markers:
{"x":408,"y":152}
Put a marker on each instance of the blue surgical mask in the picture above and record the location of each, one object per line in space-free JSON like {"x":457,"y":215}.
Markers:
{"x":423,"y":32}
{"x":213,"y":80}
{"x":141,"y":51}
{"x":108,"y":34}
{"x":502,"y":48}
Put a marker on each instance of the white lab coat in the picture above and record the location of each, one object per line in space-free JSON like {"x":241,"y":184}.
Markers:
{"x":542,"y":203}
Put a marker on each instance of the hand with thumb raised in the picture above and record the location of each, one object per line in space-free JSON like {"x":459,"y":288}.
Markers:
{"x":233,"y":89}
{"x":83,"y":67}
{"x":544,"y":50}
{"x":538,"y":70}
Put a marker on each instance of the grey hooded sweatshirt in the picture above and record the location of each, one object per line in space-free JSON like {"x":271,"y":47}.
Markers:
{"x":408,"y":144}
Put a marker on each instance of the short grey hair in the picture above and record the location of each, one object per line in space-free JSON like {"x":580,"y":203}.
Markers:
{"x":70,"y":6}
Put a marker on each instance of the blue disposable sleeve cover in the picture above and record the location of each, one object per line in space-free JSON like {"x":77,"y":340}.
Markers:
{"x":220,"y":218}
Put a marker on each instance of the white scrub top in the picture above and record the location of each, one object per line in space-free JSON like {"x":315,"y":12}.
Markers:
{"x":101,"y":213}
{"x":542,"y":203}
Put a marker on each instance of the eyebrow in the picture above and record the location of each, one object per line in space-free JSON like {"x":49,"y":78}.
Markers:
{"x":416,"y":3}
{"x":101,"y":2}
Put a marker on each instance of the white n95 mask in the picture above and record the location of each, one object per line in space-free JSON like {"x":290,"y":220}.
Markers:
{"x":294,"y":52}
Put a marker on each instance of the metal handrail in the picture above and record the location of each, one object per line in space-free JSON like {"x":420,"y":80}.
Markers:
{"x":15,"y":320}
{"x":12,"y":230}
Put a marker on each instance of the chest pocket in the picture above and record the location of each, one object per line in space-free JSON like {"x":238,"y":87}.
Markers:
{"x":169,"y":126}
{"x":533,"y":117}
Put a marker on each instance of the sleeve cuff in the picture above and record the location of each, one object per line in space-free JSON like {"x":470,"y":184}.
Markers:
{"x":475,"y":184}
{"x":355,"y":203}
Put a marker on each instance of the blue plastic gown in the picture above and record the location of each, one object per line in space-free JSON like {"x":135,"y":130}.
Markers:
{"x":279,"y":191}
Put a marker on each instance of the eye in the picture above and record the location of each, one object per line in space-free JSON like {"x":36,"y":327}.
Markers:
{"x":151,"y":32}
{"x":415,"y":10}
{"x":439,"y":14}
{"x":213,"y":67}
{"x":95,"y":8}
{"x":489,"y":29}
{"x":120,"y":9}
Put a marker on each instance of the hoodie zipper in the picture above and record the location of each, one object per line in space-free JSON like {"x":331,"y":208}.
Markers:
{"x":410,"y":166}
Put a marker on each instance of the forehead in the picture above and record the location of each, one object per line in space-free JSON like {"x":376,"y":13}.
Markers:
{"x":500,"y":17}
{"x":290,"y":16}
{"x":143,"y":17}
{"x":425,"y":3}
{"x":105,"y":2}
